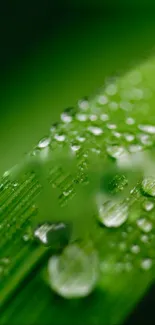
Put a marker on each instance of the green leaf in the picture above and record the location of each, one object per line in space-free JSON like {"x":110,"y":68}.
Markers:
{"x":113,"y":124}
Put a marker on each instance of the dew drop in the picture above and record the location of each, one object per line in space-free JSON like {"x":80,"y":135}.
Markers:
{"x":83,"y":104}
{"x":53,"y":234}
{"x":113,"y":214}
{"x":102,"y":99}
{"x":129,"y":137}
{"x":148,"y":205}
{"x":73,"y":274}
{"x":148,"y":186}
{"x":144,"y":225}
{"x":81,"y":117}
{"x":60,"y":137}
{"x":147,"y":128}
{"x":135,"y":249}
{"x":93,"y":117}
{"x":43,"y":143}
{"x":113,"y":106}
{"x":95,"y":130}
{"x":80,"y":138}
{"x":111,"y":89}
{"x":130,"y":121}
{"x":115,"y":151}
{"x":135,"y":148}
{"x":146,"y":264}
{"x":111,"y":126}
{"x":75,"y":147}
{"x":66,"y":118}
{"x":144,"y":238}
{"x":104,"y":117}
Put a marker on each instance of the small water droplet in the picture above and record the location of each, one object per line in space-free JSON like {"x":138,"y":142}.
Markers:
{"x":53,"y":234}
{"x":60,"y":137}
{"x":130,"y":121}
{"x":148,"y":205}
{"x":26,"y":237}
{"x":75,"y":147}
{"x":104,"y":117}
{"x":135,"y":249}
{"x":144,"y":224}
{"x":43,"y":143}
{"x":113,"y":106}
{"x":80,"y":138}
{"x":146,"y":264}
{"x":135,"y":77}
{"x":115,"y":151}
{"x":113,"y":214}
{"x":129,"y":137}
{"x":148,"y":186}
{"x":111,"y":89}
{"x":74,"y":274}
{"x":81,"y":117}
{"x":95,"y":130}
{"x":93,"y":117}
{"x":144,"y":238}
{"x":83,"y":104}
{"x":128,"y":266}
{"x":66,"y":118}
{"x":111,"y":126}
{"x":102,"y":99}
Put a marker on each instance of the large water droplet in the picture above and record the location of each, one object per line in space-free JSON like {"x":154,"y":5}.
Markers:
{"x":74,"y":274}
{"x":147,"y":128}
{"x":113,"y":214}
{"x":43,"y":143}
{"x":56,"y":235}
{"x":148,"y":186}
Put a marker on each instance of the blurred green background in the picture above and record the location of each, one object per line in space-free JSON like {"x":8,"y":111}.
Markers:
{"x":52,"y":54}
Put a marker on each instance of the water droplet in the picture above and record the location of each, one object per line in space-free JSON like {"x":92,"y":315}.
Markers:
{"x":66,"y":118}
{"x":80,"y":138}
{"x":73,"y":274}
{"x":81,"y":117}
{"x":144,"y":238}
{"x":148,"y":205}
{"x":53,"y":234}
{"x":60,"y":137}
{"x":129,"y":137}
{"x":122,"y":246}
{"x":113,"y":106}
{"x":113,"y":214}
{"x":93,"y":117}
{"x":75,"y":147}
{"x":144,"y":224}
{"x":135,"y":249}
{"x":130,"y":121}
{"x":102,"y":99}
{"x":111,"y":89}
{"x":43,"y":143}
{"x":117,"y":134}
{"x":111,"y":126}
{"x":95,"y":130}
{"x":115,"y":151}
{"x":147,"y":128}
{"x":83,"y":104}
{"x":26,"y":237}
{"x":104,"y":117}
{"x":148,"y":186}
{"x":66,"y":193}
{"x":146,"y":264}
